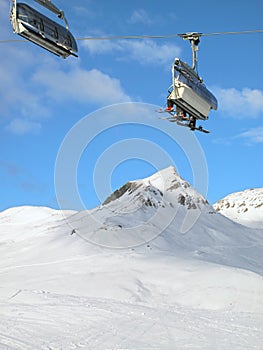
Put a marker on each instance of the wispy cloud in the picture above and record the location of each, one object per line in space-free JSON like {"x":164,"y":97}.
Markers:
{"x":148,"y":51}
{"x":140,"y":16}
{"x":21,"y":126}
{"x":80,"y":85}
{"x":83,"y":10}
{"x":253,"y":135}
{"x":27,"y":103}
{"x":32,"y":83}
{"x":142,"y":51}
{"x":250,"y":137}
{"x":21,"y":107}
{"x":27,"y":111}
{"x":240,"y":103}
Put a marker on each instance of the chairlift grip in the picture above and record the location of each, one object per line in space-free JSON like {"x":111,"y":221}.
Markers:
{"x":53,"y":8}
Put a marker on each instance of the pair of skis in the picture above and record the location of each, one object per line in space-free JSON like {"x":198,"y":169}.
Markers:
{"x":180,"y":121}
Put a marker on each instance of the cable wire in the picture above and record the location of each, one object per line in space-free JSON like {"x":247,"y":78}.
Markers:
{"x":167,"y":36}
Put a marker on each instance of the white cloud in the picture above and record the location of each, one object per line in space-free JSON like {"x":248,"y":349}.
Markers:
{"x":97,"y":47}
{"x":32,"y":81}
{"x":254,"y":135}
{"x":20,"y":126}
{"x":240,"y":103}
{"x":80,"y":85}
{"x":140,"y":16}
{"x":145,"y":51}
{"x":84,"y":10}
{"x":21,"y":106}
{"x":250,"y":136}
{"x":27,"y":95}
{"x":148,"y":51}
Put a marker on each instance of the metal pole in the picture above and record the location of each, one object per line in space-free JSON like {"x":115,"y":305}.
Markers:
{"x":194,"y":52}
{"x":51,"y":7}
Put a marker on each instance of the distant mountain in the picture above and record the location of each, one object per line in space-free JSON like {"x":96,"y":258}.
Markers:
{"x":244,"y":207}
{"x":141,"y":210}
{"x":30,"y":214}
{"x":164,"y":212}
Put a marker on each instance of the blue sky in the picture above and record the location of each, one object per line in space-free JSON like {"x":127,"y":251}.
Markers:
{"x":43,"y":98}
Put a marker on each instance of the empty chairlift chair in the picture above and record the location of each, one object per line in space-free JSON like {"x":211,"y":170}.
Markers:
{"x":41,"y":30}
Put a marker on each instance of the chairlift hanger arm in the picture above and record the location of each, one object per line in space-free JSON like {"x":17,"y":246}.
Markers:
{"x":51,"y":7}
{"x":194,"y":40}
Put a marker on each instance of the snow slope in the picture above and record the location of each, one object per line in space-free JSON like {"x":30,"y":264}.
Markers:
{"x":245,"y":207}
{"x":154,"y":267}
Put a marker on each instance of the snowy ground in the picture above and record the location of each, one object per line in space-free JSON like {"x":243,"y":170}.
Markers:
{"x":197,"y":290}
{"x":129,"y":302}
{"x":43,"y":320}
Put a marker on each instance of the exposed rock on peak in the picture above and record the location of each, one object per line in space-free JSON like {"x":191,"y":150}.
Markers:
{"x":162,"y":188}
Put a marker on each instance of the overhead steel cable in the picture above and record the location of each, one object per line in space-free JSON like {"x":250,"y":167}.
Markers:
{"x":165,"y":36}
{"x":119,"y":37}
{"x":234,"y":33}
{"x":13,"y":41}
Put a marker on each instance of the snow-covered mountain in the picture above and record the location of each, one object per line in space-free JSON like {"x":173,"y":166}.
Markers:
{"x":142,"y":210}
{"x":245,"y":207}
{"x":153,"y":267}
{"x":166,"y":213}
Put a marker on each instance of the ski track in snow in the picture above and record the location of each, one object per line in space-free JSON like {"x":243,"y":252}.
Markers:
{"x":54,"y":262}
{"x":56,"y":321}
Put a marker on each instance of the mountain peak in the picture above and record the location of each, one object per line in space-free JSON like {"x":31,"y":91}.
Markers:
{"x":165,"y":186}
{"x":165,"y":179}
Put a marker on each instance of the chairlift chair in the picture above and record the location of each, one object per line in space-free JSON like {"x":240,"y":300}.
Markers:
{"x":41,"y":30}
